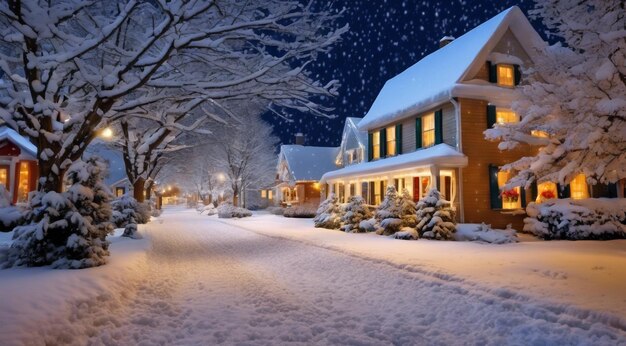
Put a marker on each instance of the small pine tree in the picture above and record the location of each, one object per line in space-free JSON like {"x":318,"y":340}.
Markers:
{"x":329,"y":213}
{"x":409,"y":210}
{"x":435,"y":217}
{"x":389,"y":213}
{"x":356,"y":211}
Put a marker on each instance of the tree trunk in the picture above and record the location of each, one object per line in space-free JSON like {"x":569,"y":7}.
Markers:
{"x":235,"y":199}
{"x":53,"y":181}
{"x":149,"y":190}
{"x":138,"y":190}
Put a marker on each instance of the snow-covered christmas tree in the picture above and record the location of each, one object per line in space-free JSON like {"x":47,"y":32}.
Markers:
{"x":409,"y":209}
{"x":389,"y":213}
{"x":329,"y":213}
{"x":356,"y":211}
{"x":435,"y":217}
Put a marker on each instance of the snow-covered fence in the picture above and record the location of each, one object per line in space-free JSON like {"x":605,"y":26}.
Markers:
{"x":598,"y":218}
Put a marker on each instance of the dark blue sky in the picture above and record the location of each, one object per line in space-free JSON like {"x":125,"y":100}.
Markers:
{"x":386,"y":37}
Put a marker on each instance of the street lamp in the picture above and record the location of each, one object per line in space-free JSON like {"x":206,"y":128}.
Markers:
{"x":106,"y":133}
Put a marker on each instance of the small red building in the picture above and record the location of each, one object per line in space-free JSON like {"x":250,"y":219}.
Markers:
{"x":18,"y":165}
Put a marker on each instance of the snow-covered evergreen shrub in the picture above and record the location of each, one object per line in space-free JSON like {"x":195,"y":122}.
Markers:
{"x":127,"y":210}
{"x":483,"y":233}
{"x":208,"y":209}
{"x":406,"y":233}
{"x":300,"y":211}
{"x":594,"y":218}
{"x":10,"y":216}
{"x":5,"y":197}
{"x":409,"y":209}
{"x":389,"y":213}
{"x":228,"y":211}
{"x":356,"y":212}
{"x":368,"y":225}
{"x":329,"y":213}
{"x":276,"y":210}
{"x":435,"y":217}
{"x":67,"y":230}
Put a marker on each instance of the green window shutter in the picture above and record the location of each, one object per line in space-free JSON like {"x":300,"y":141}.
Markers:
{"x":439,"y":126}
{"x":493,"y":72}
{"x":491,"y":116}
{"x":398,"y":139}
{"x":370,"y":146}
{"x":494,"y":189}
{"x":518,"y":74}
{"x":533,"y":191}
{"x":522,"y":196}
{"x":612,"y":190}
{"x":383,"y":143}
{"x":418,"y":133}
{"x":563,"y":192}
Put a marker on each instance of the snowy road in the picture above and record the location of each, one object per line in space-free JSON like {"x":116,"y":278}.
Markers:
{"x":208,"y":282}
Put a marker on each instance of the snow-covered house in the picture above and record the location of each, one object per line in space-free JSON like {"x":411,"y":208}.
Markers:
{"x":353,"y":148}
{"x":426,"y":126}
{"x":120,"y":187}
{"x":18,"y":165}
{"x":299,"y":171}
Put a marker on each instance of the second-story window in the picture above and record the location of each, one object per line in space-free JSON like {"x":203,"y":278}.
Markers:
{"x":428,"y":130}
{"x":391,"y":141}
{"x":376,"y":145}
{"x":506,"y":75}
{"x":504,"y":116}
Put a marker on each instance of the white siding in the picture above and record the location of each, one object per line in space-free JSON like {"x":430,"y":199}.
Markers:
{"x":408,"y":135}
{"x":449,"y":125}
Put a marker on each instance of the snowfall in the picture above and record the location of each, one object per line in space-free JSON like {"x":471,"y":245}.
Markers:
{"x":265,"y":280}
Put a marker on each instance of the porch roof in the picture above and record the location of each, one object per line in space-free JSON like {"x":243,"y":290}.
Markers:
{"x":17,"y":139}
{"x":442,"y":155}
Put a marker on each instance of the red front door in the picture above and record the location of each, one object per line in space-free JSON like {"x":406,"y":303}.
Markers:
{"x":416,"y":189}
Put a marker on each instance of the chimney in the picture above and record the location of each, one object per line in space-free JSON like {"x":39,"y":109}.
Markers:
{"x":445,"y":40}
{"x":299,"y":138}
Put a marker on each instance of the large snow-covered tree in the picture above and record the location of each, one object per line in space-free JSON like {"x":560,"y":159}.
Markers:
{"x":574,"y":97}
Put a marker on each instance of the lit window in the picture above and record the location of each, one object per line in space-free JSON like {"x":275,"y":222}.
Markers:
{"x":341,"y":192}
{"x":391,"y":141}
{"x":23,"y":187}
{"x":376,"y":145}
{"x":578,"y":187}
{"x":539,"y":133}
{"x":377,"y":189}
{"x":428,"y":130}
{"x":511,"y":199}
{"x":504,"y":116}
{"x":506,"y":75}
{"x":263,"y":194}
{"x":269,"y":194}
{"x":425,"y":186}
{"x":546,"y":191}
{"x":4,"y":176}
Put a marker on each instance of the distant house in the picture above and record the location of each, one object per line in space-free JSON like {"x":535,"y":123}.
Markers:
{"x":425,"y":128}
{"x":18,"y":165}
{"x":353,"y":148}
{"x":120,"y":187}
{"x":299,"y":171}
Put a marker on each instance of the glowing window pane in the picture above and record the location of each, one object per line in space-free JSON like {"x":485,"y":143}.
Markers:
{"x":4,"y":176}
{"x":511,"y":199}
{"x":506,"y":75}
{"x":428,"y":130}
{"x":376,"y":145}
{"x":391,"y":140}
{"x":578,"y":187}
{"x":546,"y":191}
{"x":504,"y":116}
{"x":23,"y":187}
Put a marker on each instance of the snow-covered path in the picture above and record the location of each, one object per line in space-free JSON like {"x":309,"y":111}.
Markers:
{"x":209,"y":282}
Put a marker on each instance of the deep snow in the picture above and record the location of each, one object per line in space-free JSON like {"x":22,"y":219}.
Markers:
{"x":205,"y":280}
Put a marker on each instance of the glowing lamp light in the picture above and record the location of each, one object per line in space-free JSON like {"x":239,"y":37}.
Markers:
{"x":106,"y":133}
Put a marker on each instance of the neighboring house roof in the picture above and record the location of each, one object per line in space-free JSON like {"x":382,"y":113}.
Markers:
{"x":19,"y":140}
{"x":308,"y":163}
{"x":441,"y":154}
{"x":435,"y":78}
{"x":351,"y":127}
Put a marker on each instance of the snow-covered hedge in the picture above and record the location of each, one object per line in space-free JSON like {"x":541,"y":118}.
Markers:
{"x":228,"y":211}
{"x":127,"y":210}
{"x":208,"y":209}
{"x":300,"y":211}
{"x":593,"y":218}
{"x":483,"y":233}
{"x":276,"y":210}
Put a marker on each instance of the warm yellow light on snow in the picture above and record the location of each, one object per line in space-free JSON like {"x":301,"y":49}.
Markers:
{"x":106,"y":133}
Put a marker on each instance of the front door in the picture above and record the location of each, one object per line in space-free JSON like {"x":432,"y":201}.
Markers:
{"x":416,"y":189}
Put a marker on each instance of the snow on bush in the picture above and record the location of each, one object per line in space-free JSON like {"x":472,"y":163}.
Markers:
{"x":5,"y":197}
{"x":329,"y":213}
{"x":356,"y":212}
{"x":368,"y":225}
{"x":435,"y":217}
{"x":483,"y":233}
{"x":409,"y":209}
{"x":228,"y":211}
{"x":389,"y":213}
{"x":300,"y":211}
{"x":126,"y":210}
{"x":593,"y":218}
{"x":208,"y":209}
{"x":406,"y":233}
{"x":10,"y":217}
{"x":276,"y":210}
{"x":69,"y":229}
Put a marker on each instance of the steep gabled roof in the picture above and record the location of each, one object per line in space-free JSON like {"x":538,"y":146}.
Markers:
{"x":17,"y":139}
{"x":308,"y":163}
{"x":432,"y":80}
{"x":351,"y":126}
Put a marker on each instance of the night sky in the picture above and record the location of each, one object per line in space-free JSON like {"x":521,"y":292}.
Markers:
{"x":385,"y":38}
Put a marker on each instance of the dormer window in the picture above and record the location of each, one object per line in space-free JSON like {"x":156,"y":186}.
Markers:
{"x":506,"y":75}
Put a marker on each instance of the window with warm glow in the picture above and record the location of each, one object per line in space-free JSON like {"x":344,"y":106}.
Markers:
{"x":23,"y":187}
{"x":376,"y":145}
{"x":428,"y":130}
{"x":425,"y":186}
{"x":391,"y":141}
{"x":377,"y":194}
{"x":578,"y":187}
{"x":341,"y":192}
{"x":539,"y":133}
{"x":511,"y":199}
{"x":546,"y":191}
{"x":263,"y":194}
{"x":4,"y":176}
{"x":504,"y":116}
{"x":269,"y":194}
{"x":506,"y":75}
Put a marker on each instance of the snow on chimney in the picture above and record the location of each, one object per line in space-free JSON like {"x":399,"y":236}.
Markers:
{"x":299,"y":138}
{"x":445,"y":40}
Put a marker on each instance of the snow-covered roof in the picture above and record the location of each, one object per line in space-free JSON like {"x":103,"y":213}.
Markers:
{"x":441,"y":154}
{"x":308,"y":163}
{"x":19,"y":140}
{"x":351,"y":126}
{"x":432,"y":80}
